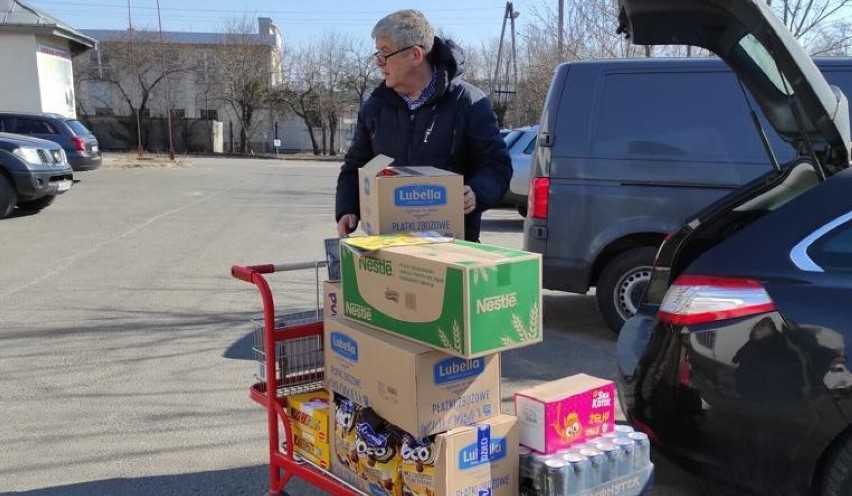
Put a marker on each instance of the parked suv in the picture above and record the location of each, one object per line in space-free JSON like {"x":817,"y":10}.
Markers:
{"x":521,"y":143}
{"x":628,"y":149}
{"x":79,"y":143}
{"x":32,"y":173}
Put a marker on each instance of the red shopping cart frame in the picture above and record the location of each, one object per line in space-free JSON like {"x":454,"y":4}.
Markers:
{"x":282,"y":464}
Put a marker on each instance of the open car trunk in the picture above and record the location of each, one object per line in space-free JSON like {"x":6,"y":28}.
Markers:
{"x":726,"y":217}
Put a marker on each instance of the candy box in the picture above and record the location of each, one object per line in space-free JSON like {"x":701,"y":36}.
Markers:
{"x":310,"y":411}
{"x":558,"y":414}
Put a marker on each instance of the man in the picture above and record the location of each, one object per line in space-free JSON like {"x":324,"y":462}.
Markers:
{"x":425,"y":114}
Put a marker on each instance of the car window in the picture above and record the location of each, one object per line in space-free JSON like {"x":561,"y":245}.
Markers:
{"x":26,"y":125}
{"x":530,"y":146}
{"x":675,"y":116}
{"x":78,"y":128}
{"x":834,"y":250}
{"x":512,"y":137}
{"x":842,"y":80}
{"x":7,"y":124}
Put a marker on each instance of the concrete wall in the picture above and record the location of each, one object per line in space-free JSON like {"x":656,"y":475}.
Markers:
{"x":19,"y":85}
{"x":118,"y":133}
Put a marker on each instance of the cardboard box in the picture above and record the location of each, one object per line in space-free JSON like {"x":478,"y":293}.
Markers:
{"x":451,"y":463}
{"x":310,"y":447}
{"x":406,"y":199}
{"x":467,"y":299}
{"x":455,"y":463}
{"x":421,"y":390}
{"x":557,"y":414}
{"x":311,"y":411}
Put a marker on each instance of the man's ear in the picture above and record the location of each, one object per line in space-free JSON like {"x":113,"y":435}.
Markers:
{"x":419,"y":54}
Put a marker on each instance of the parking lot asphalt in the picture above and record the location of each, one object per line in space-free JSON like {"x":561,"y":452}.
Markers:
{"x":125,"y":344}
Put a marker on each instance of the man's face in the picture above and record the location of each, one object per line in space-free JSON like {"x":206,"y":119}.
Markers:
{"x":399,"y":67}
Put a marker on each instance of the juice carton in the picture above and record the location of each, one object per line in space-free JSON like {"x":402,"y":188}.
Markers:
{"x":558,"y":414}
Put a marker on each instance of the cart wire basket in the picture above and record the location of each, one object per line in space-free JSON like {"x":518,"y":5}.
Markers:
{"x":298,"y":361}
{"x":288,"y":349}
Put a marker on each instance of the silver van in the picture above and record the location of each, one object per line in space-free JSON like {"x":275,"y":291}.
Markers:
{"x":627,"y":150}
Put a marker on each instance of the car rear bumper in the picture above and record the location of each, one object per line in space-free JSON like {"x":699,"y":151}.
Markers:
{"x":565,"y":275}
{"x":85,"y":163}
{"x":515,"y":200}
{"x":36,"y":184}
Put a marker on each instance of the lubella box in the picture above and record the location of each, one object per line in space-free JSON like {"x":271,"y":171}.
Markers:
{"x":564,"y":412}
{"x":466,"y":299}
{"x":420,"y":390}
{"x":410,"y":199}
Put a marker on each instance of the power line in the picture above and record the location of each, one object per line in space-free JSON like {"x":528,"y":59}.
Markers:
{"x":298,"y":12}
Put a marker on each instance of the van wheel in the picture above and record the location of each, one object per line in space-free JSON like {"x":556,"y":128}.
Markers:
{"x":621,"y":284}
{"x":836,"y":479}
{"x":8,"y":197}
{"x":37,"y":204}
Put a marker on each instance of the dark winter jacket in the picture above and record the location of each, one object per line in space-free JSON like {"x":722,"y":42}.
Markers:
{"x":455,"y":130}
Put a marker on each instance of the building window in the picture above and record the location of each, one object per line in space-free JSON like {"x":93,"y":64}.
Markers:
{"x":210,"y":115}
{"x":144,"y":113}
{"x":100,"y":67}
{"x":104,"y":111}
{"x":178,"y":114}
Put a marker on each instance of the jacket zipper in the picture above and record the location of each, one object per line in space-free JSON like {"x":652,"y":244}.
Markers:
{"x":411,"y":126}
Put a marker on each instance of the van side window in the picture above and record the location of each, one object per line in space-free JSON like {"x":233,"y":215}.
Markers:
{"x":675,"y":116}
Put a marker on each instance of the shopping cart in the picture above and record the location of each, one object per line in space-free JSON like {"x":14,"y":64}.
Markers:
{"x":289,"y":351}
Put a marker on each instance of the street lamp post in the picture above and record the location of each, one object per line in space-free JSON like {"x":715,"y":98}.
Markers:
{"x":166,"y":77}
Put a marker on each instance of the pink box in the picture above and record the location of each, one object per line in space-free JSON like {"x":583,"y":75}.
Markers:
{"x":561,"y":413}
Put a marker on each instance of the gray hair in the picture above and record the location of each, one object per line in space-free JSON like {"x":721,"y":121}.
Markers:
{"x":405,"y":28}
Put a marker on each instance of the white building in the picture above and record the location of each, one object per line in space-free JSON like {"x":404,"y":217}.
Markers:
{"x":35,"y":54}
{"x":195,"y":91}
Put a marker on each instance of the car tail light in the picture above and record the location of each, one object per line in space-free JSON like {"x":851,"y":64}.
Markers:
{"x":79,"y":143}
{"x":539,"y":190}
{"x":702,"y":299}
{"x":643,"y":427}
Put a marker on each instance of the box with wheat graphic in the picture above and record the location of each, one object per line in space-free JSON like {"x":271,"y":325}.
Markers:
{"x":466,"y":299}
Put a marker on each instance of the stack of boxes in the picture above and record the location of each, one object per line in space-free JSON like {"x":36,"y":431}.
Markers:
{"x":413,"y":333}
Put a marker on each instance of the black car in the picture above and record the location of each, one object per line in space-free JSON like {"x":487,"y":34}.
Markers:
{"x":79,"y":143}
{"x":736,"y":363}
{"x":32,"y":173}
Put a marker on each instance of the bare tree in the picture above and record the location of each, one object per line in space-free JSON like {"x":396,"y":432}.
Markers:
{"x":326,"y":82}
{"x":808,"y":19}
{"x":133,"y":67}
{"x":360,"y":75}
{"x":244,"y":73}
{"x":334,"y":100}
{"x":300,"y":93}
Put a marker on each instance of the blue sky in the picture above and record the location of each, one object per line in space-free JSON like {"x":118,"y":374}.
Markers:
{"x":468,"y":21}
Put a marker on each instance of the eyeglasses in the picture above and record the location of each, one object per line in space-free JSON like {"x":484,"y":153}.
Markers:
{"x":383,"y":59}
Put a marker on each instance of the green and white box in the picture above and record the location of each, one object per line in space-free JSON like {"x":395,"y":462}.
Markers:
{"x":467,"y":299}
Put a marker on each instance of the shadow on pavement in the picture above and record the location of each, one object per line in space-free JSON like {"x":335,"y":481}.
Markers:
{"x":513,"y":223}
{"x":219,"y":482}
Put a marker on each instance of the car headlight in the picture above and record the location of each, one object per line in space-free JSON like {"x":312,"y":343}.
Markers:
{"x":29,"y":155}
{"x":59,"y":156}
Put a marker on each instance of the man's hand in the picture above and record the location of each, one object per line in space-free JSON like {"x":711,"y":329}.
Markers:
{"x":469,"y":200}
{"x":346,"y":225}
